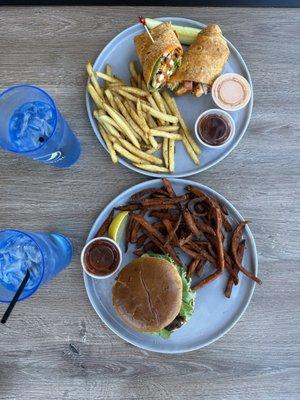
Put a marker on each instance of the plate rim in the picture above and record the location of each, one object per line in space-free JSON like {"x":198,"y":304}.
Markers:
{"x":234,"y":321}
{"x":197,"y":169}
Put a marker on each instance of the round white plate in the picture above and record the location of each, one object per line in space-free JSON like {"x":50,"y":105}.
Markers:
{"x":120,"y":51}
{"x":214,"y":314}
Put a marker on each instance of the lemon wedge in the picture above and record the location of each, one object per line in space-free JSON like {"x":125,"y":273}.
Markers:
{"x":116,"y":224}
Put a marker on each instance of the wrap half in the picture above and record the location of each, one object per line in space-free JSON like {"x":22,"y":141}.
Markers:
{"x":160,"y":58}
{"x":202,"y":63}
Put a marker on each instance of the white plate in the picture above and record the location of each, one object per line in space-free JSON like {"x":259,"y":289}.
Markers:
{"x":121,"y":50}
{"x":214,"y":314}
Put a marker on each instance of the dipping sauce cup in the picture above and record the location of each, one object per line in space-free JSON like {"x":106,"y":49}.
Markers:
{"x":231,"y":92}
{"x":214,"y":128}
{"x":101,"y":257}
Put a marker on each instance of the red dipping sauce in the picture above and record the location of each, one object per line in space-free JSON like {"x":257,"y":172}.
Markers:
{"x":214,"y":129}
{"x":101,"y":257}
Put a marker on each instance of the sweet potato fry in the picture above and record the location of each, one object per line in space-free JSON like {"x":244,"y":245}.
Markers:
{"x":148,"y":228}
{"x":172,"y":233}
{"x":156,"y":237}
{"x":205,"y":228}
{"x":219,"y":239}
{"x":138,"y":252}
{"x":207,"y":280}
{"x":128,"y":233}
{"x":201,"y":252}
{"x":141,"y":239}
{"x":237,"y":234}
{"x":164,"y":201}
{"x":104,"y":227}
{"x":129,"y":207}
{"x":134,"y":231}
{"x":200,"y":267}
{"x":184,"y":240}
{"x":192,"y":267}
{"x":160,"y":215}
{"x":158,"y":207}
{"x":212,"y":203}
{"x":171,"y":237}
{"x":230,"y":282}
{"x":169,"y":188}
{"x":190,"y":222}
{"x":139,"y":195}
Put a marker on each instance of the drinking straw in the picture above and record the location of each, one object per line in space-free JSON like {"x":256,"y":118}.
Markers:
{"x":15,"y":298}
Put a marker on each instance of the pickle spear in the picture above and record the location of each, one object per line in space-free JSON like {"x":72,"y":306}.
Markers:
{"x":186,"y":35}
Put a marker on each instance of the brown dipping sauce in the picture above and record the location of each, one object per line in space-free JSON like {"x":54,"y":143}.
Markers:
{"x":101,"y":257}
{"x":214,"y":129}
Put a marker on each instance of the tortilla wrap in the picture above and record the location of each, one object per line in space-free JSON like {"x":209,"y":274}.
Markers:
{"x":149,"y":53}
{"x":205,"y":58}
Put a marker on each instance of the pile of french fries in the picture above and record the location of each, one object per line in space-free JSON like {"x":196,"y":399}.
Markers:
{"x":135,"y":123}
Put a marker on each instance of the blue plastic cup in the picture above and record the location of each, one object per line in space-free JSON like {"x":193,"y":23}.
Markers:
{"x":31,"y":125}
{"x":44,"y":254}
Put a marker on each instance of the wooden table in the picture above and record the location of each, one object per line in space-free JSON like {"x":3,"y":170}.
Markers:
{"x":54,"y":345}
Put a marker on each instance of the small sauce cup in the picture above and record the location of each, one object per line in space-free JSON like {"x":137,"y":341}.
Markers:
{"x":101,"y":257}
{"x":214,"y":128}
{"x":231,"y":92}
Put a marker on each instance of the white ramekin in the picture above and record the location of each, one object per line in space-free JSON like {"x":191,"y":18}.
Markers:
{"x":102,"y":238}
{"x":215,"y":111}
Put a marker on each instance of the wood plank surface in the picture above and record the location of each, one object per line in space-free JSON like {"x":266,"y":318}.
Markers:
{"x":54,"y":345}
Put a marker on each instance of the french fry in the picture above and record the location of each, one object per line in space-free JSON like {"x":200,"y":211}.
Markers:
{"x":107,"y":78}
{"x":125,"y":94}
{"x":153,"y":142}
{"x":168,"y":128}
{"x":94,"y":95}
{"x":151,"y":121}
{"x":159,"y":101}
{"x":190,"y":150}
{"x":111,"y":150}
{"x":127,"y":154}
{"x":132,"y":70}
{"x":111,"y":130}
{"x":169,"y":135}
{"x":140,"y":121}
{"x":154,"y":105}
{"x":159,"y":114}
{"x":139,"y":109}
{"x":111,"y":99}
{"x":118,"y":85}
{"x":173,"y":107}
{"x":168,"y":111}
{"x":130,"y":121}
{"x":165,"y":152}
{"x":139,"y":153}
{"x":171,"y":155}
{"x":93,"y":79}
{"x":153,"y":150}
{"x":122,"y":124}
{"x":106,"y":119}
{"x":135,"y":90}
{"x":108,"y":70}
{"x":152,"y":168}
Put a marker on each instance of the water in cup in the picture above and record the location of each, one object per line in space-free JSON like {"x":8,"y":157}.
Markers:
{"x":32,"y":125}
{"x":17,"y":254}
{"x":44,"y":254}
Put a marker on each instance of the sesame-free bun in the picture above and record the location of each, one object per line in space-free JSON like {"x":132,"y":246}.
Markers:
{"x":147,"y":294}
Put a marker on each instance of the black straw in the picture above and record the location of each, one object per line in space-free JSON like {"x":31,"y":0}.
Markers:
{"x":15,"y":298}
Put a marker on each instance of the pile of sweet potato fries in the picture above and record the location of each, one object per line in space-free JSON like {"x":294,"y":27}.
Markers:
{"x":161,"y":221}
